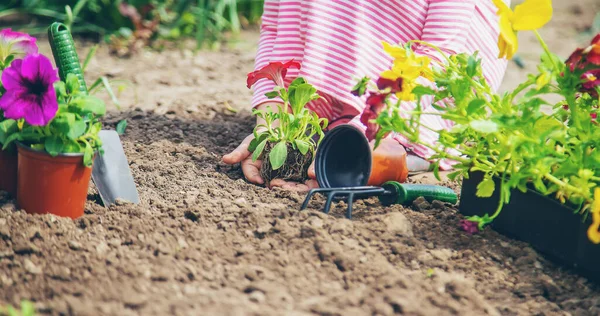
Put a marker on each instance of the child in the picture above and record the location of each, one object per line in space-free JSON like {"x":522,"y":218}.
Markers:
{"x":339,"y":41}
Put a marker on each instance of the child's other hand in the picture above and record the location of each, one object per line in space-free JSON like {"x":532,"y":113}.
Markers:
{"x":311,"y":183}
{"x":251,"y":169}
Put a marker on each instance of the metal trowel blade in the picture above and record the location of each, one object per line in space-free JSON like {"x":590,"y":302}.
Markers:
{"x":111,"y":172}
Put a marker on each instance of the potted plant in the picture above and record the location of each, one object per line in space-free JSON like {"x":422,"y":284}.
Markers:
{"x":286,"y":141}
{"x":12,"y":45}
{"x":516,"y":152}
{"x":57,"y":128}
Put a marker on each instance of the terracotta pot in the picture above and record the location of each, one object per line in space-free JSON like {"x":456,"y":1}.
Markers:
{"x":8,"y":171}
{"x":346,"y":159}
{"x":52,"y":185}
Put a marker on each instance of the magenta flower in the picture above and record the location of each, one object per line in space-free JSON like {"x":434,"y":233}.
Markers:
{"x":470,"y":227}
{"x":15,"y":43}
{"x":30,"y":94}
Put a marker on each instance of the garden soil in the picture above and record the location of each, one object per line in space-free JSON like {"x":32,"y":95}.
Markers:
{"x":205,"y":242}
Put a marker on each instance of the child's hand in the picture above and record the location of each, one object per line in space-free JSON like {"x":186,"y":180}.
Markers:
{"x":251,"y":169}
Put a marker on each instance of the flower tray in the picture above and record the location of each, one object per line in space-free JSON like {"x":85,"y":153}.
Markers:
{"x":552,"y":228}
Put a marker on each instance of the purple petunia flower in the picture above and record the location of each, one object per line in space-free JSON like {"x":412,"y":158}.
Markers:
{"x":469,"y":226}
{"x":15,"y":43}
{"x":30,"y":94}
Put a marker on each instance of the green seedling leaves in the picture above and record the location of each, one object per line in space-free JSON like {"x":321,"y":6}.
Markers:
{"x":278,"y":155}
{"x":258,"y":150}
{"x":303,"y":146}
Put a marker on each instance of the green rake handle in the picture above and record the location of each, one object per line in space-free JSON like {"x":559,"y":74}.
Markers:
{"x":406,"y":193}
{"x":65,"y":54}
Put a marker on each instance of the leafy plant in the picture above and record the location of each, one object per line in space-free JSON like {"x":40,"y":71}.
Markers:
{"x":290,"y":128}
{"x":129,"y":25}
{"x":74,"y":128}
{"x":508,"y":136}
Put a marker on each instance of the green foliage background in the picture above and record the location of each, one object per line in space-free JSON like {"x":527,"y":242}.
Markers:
{"x":204,"y":20}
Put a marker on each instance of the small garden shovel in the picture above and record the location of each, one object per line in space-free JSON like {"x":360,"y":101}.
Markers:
{"x":111,"y":172}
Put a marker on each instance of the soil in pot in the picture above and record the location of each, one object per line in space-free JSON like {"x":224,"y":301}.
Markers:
{"x":295,"y":167}
{"x":52,"y":185}
{"x":8,"y":171}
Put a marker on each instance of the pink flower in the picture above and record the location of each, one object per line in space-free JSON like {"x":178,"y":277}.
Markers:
{"x":30,"y":94}
{"x":470,"y":227}
{"x":274,"y":71}
{"x":15,"y":43}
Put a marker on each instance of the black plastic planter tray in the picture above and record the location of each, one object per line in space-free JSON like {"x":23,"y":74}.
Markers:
{"x":549,"y":226}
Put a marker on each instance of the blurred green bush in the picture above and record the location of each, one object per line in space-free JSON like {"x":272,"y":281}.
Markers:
{"x":133,"y":23}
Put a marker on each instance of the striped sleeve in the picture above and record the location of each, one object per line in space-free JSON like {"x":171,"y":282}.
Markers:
{"x":268,"y":36}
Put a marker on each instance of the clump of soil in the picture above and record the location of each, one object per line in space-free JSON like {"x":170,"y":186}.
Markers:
{"x":295,"y":167}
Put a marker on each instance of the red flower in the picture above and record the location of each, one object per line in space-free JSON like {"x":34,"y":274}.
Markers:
{"x":581,"y":58}
{"x":594,"y":116}
{"x":574,"y":60}
{"x":469,"y":226}
{"x":590,"y":82}
{"x":274,"y":71}
{"x":394,"y":85}
{"x":593,"y":51}
{"x":375,"y":104}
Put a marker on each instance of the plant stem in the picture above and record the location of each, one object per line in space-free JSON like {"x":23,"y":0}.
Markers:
{"x":547,"y":50}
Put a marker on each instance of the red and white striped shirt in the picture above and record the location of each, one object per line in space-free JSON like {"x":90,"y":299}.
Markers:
{"x":338,"y":42}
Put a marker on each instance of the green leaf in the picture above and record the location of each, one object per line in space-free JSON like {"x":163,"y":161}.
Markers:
{"x":258,"y":138}
{"x":472,"y":64}
{"x":72,"y":147}
{"x":486,"y":188}
{"x":298,"y":81}
{"x":72,"y":83}
{"x":258,"y":150}
{"x":301,"y":95}
{"x":420,"y":91}
{"x":7,"y":128}
{"x":121,"y":126}
{"x":88,"y":155}
{"x":89,"y":104}
{"x":60,"y":88}
{"x":54,"y":145}
{"x":272,"y":94}
{"x":361,"y":87}
{"x":475,"y":105}
{"x":278,"y":155}
{"x":68,"y":125}
{"x":303,"y":146}
{"x":484,"y":126}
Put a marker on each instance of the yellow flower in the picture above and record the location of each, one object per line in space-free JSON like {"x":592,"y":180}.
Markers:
{"x":593,"y":233}
{"x":530,"y":15}
{"x":398,"y":53}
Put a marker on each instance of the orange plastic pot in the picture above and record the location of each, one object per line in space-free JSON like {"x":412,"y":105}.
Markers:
{"x":8,"y":171}
{"x":52,"y":185}
{"x":388,"y":163}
